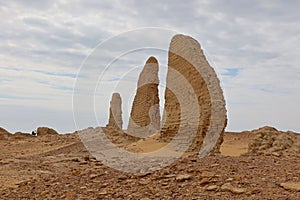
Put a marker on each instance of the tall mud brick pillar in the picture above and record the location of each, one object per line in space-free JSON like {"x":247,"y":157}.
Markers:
{"x":145,"y":115}
{"x":194,"y":111}
{"x":115,"y":112}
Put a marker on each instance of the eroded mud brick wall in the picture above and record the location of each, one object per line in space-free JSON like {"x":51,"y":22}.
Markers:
{"x":115,"y":112}
{"x":188,"y":68}
{"x":145,"y":115}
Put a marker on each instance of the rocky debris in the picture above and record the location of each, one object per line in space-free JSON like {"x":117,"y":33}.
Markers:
{"x":42,"y":131}
{"x":20,"y":135}
{"x":3,"y":131}
{"x":194,"y":99}
{"x":115,"y":112}
{"x":145,"y":115}
{"x":183,"y":177}
{"x":4,"y":134}
{"x":212,"y":187}
{"x":269,"y":140}
{"x":119,"y":137}
{"x":65,"y":170}
{"x":230,"y":188}
{"x":293,"y":186}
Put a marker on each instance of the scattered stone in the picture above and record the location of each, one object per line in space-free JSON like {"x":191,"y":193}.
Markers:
{"x":207,"y":174}
{"x":45,"y":192}
{"x":144,"y":182}
{"x":76,"y":172}
{"x":75,"y":159}
{"x":183,"y":177}
{"x":293,"y":186}
{"x":164,"y":183}
{"x":230,"y":188}
{"x":275,"y":154}
{"x":269,"y":141}
{"x":23,"y":183}
{"x":70,"y":195}
{"x":212,"y":187}
{"x":92,"y":176}
{"x":104,"y":192}
{"x":204,"y":181}
{"x":169,"y":176}
{"x":229,"y":179}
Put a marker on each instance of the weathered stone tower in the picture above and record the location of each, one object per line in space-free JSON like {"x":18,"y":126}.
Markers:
{"x":194,"y":101}
{"x":145,"y":115}
{"x":115,"y":112}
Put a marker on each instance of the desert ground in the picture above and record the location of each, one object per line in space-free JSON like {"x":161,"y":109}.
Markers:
{"x":259,"y":164}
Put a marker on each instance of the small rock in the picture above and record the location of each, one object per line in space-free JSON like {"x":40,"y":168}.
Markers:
{"x":183,"y":177}
{"x":204,"y":181}
{"x":144,"y":182}
{"x":293,"y":186}
{"x":229,"y":179}
{"x":208,"y":174}
{"x":211,"y":187}
{"x":86,"y":158}
{"x":76,"y":172}
{"x":70,"y":196}
{"x":276,"y":154}
{"x":104,"y":192}
{"x":43,"y":193}
{"x":164,"y":183}
{"x":75,"y":159}
{"x":122,"y":177}
{"x":93,"y":176}
{"x":230,"y":188}
{"x":23,"y":183}
{"x":169,"y":176}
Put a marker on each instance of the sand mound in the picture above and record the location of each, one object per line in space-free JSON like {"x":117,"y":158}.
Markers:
{"x":268,"y":140}
{"x":2,"y":130}
{"x":3,"y":134}
{"x":20,"y":135}
{"x":46,"y":131}
{"x":119,"y":137}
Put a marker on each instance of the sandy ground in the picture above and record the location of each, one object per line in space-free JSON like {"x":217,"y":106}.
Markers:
{"x":236,"y":144}
{"x":233,"y":145}
{"x":59,"y":167}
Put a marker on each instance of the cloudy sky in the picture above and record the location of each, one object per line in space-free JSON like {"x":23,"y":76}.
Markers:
{"x":45,"y":45}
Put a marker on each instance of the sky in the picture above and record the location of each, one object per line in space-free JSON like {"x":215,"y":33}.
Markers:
{"x":50,"y":49}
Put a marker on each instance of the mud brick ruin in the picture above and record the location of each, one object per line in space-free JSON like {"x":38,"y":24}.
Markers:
{"x":145,"y":115}
{"x":115,"y":112}
{"x":192,"y":86}
{"x":194,"y":116}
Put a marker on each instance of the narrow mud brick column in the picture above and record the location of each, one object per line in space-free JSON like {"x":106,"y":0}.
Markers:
{"x":115,"y":112}
{"x":145,"y":115}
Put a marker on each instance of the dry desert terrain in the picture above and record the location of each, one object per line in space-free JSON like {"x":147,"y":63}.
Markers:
{"x":258,"y":164}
